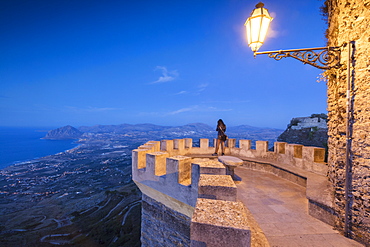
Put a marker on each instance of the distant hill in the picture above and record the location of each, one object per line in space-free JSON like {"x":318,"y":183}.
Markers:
{"x":192,"y":130}
{"x":158,"y":132}
{"x":121,"y":128}
{"x":254,"y":133}
{"x":66,"y":132}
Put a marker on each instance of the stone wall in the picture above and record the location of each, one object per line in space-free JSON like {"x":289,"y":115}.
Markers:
{"x":163,"y":226}
{"x":349,"y":21}
{"x":307,"y":122}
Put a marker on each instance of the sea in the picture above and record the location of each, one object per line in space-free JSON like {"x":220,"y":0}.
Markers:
{"x":21,"y":144}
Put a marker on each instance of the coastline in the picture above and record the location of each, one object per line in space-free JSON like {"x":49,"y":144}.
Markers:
{"x":20,"y":145}
{"x":71,"y":192}
{"x":31,"y":160}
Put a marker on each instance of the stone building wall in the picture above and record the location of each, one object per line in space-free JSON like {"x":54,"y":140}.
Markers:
{"x":307,"y":122}
{"x":349,"y":20}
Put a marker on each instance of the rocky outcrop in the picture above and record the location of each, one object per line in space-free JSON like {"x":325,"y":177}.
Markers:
{"x":308,"y":131}
{"x":66,"y":132}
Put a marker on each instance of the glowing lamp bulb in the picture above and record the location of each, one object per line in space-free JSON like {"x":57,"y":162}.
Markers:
{"x":257,"y":25}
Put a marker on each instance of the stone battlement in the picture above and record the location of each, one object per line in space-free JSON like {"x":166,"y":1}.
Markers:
{"x":181,"y":179}
{"x":173,"y":167}
{"x":310,"y":159}
{"x":183,"y":187}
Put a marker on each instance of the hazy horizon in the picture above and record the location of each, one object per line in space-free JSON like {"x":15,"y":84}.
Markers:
{"x":46,"y":128}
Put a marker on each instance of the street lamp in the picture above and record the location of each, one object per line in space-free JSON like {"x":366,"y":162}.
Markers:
{"x":257,"y":25}
{"x":321,"y":57}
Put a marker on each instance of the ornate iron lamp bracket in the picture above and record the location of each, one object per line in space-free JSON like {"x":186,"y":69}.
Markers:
{"x":321,"y":57}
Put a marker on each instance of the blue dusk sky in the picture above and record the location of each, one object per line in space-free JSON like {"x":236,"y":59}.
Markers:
{"x":88,"y":62}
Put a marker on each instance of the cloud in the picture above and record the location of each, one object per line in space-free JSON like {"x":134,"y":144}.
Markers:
{"x":192,"y":108}
{"x":226,"y":101}
{"x":181,"y":92}
{"x":90,"y":109}
{"x":196,"y":91}
{"x":201,"y":88}
{"x":197,"y":108}
{"x":166,"y":75}
{"x":213,"y":109}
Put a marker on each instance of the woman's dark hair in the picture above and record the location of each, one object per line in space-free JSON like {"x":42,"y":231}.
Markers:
{"x":221,"y":123}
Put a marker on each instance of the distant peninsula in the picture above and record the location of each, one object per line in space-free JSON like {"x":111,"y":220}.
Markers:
{"x":63,"y":133}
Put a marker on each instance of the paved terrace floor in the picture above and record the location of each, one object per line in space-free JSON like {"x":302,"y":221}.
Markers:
{"x":280,"y":208}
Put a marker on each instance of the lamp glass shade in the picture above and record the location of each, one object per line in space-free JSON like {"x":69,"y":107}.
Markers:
{"x":257,"y":26}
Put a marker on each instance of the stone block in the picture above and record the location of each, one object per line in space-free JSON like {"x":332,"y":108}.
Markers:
{"x":262,"y":146}
{"x":313,"y":154}
{"x":279,"y":147}
{"x":139,"y":158}
{"x":298,"y":151}
{"x":156,"y":163}
{"x":188,"y":143}
{"x":179,"y":144}
{"x":230,"y":143}
{"x":147,"y":146}
{"x":212,"y":167}
{"x":219,"y":223}
{"x":245,"y":144}
{"x":231,"y":163}
{"x":167,"y":145}
{"x":218,"y":187}
{"x":156,"y":145}
{"x":179,"y":169}
{"x":204,"y":143}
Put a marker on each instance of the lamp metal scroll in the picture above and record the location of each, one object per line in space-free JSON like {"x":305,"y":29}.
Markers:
{"x":321,"y":57}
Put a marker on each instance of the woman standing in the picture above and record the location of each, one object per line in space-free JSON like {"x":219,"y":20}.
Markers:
{"x":221,"y":137}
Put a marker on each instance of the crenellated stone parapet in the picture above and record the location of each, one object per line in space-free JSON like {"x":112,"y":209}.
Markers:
{"x":174,"y":176}
{"x":176,"y":190}
{"x":178,"y":181}
{"x":310,"y":159}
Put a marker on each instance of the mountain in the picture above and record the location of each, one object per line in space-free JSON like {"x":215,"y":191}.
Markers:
{"x":122,"y":128}
{"x":195,"y":128}
{"x":251,"y":131}
{"x":145,"y":132}
{"x":66,"y":132}
{"x":192,"y":130}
